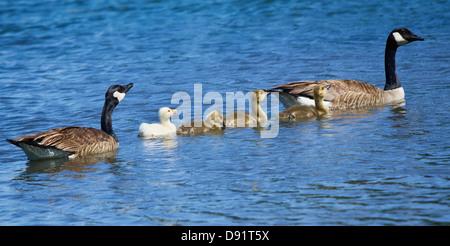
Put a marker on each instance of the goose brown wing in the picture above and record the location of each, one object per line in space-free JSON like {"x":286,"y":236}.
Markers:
{"x":338,"y":87}
{"x":70,"y":139}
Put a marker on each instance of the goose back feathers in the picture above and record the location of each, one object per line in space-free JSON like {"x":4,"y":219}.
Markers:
{"x":64,"y":142}
{"x":342,"y":94}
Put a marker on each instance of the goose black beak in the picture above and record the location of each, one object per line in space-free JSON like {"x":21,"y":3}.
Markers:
{"x":414,"y":37}
{"x":128,"y":87}
{"x":328,"y":87}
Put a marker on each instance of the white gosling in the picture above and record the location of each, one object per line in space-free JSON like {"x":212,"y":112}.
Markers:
{"x":164,"y":128}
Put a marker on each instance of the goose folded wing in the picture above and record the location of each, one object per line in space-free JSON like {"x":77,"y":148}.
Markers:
{"x":338,"y":87}
{"x":70,"y":139}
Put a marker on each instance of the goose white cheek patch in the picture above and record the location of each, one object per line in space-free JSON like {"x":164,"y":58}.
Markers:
{"x":119,"y":95}
{"x":399,"y":39}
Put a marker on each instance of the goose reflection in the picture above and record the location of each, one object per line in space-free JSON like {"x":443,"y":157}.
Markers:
{"x":167,"y":143}
{"x":398,"y":111}
{"x":77,"y":165}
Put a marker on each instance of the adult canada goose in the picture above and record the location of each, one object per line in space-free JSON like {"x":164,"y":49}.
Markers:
{"x":213,"y":121}
{"x":76,"y":141}
{"x":346,"y":94}
{"x":165,"y":127}
{"x":243,"y":119}
{"x":303,"y":111}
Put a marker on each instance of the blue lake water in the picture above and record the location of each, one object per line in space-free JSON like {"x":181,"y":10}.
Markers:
{"x":381,"y":166}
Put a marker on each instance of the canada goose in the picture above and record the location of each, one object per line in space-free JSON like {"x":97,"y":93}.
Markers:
{"x":76,"y":141}
{"x":346,"y":94}
{"x":159,"y":129}
{"x":303,"y":111}
{"x":213,"y":121}
{"x":238,"y":119}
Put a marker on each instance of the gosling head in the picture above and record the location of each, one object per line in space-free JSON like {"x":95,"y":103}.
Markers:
{"x":215,"y":119}
{"x":165,"y":113}
{"x":320,"y":91}
{"x":404,"y":36}
{"x":116,"y":93}
{"x":260,"y":95}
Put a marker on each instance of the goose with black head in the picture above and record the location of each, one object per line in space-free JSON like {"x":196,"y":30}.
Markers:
{"x":76,"y":141}
{"x":345,"y":94}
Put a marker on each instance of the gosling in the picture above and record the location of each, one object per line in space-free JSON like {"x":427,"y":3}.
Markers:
{"x":213,"y":122}
{"x":243,"y":119}
{"x":165,"y":127}
{"x":303,"y":111}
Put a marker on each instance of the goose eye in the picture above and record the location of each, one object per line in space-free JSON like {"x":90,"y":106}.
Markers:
{"x":168,"y":110}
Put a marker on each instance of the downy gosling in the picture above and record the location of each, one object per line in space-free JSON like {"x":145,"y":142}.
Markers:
{"x":213,"y":122}
{"x":303,"y":111}
{"x":243,"y":119}
{"x":164,"y":128}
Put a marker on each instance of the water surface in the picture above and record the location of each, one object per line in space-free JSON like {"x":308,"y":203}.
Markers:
{"x":381,"y":166}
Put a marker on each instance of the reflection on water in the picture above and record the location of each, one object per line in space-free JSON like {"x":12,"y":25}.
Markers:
{"x":166,"y":143}
{"x":78,"y":165}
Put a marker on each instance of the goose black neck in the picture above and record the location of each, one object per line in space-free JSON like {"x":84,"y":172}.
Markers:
{"x":392,"y":81}
{"x":106,"y":122}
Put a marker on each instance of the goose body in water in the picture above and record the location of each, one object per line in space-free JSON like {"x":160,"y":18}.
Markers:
{"x":164,"y":128}
{"x":76,"y":141}
{"x":346,"y":94}
{"x":302,"y":111}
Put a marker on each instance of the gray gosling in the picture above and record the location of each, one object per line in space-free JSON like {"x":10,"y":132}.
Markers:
{"x":213,"y":122}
